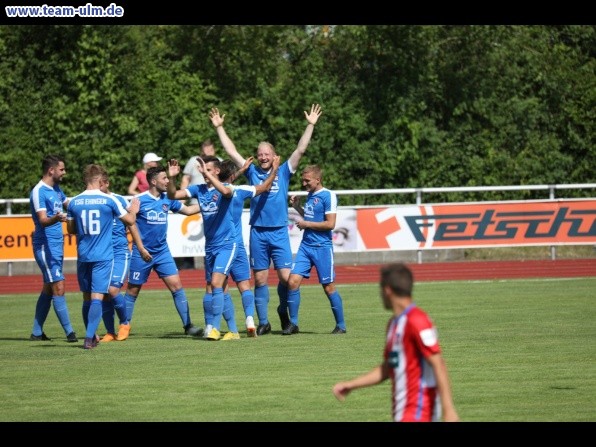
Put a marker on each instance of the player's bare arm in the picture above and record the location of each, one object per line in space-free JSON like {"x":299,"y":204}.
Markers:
{"x":218,"y":120}
{"x":227,"y":191}
{"x":266,"y":185}
{"x":311,"y":118}
{"x":173,"y":171}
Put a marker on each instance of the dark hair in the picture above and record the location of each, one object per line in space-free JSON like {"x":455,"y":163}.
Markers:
{"x":50,"y":161}
{"x":399,"y":278}
{"x":211,"y":159}
{"x":153,"y":171}
{"x":227,"y":169}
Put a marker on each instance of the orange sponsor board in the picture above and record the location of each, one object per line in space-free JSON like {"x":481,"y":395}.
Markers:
{"x":16,"y":239}
{"x":490,"y":224}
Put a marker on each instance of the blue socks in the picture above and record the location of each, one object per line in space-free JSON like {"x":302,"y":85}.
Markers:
{"x":207,"y":301}
{"x":42,"y":308}
{"x":119,"y":304}
{"x":248,"y":303}
{"x":107,"y":315}
{"x":86,"y":305}
{"x":261,"y":303}
{"x":93,"y":317}
{"x":217,"y":307}
{"x":62,"y":313}
{"x":182,"y":306}
{"x":130,"y":306}
{"x":228,"y":313}
{"x":294,"y":305}
{"x":337,"y":309}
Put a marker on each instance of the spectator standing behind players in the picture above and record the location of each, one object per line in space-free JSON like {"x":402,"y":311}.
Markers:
{"x":91,"y":217}
{"x":47,"y":202}
{"x":420,"y":388}
{"x":152,"y":223}
{"x":269,"y":238}
{"x":316,"y":248}
{"x":139,"y":181}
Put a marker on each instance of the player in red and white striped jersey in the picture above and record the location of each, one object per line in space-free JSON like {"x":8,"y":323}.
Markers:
{"x":412,"y":357}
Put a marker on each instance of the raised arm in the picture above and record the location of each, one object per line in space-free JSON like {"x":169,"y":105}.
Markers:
{"x":173,"y":171}
{"x":242,"y":170}
{"x":266,"y":185}
{"x":227,"y":191}
{"x":312,"y":118}
{"x":218,"y":120}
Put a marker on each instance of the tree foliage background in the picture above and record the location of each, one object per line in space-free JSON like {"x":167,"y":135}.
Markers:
{"x":403,"y":106}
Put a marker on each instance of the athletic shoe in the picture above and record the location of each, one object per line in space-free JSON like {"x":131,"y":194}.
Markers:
{"x":90,"y":343}
{"x":291,"y":329}
{"x":263,"y":329}
{"x":338,"y":330}
{"x":231,"y":336}
{"x":123,"y":332}
{"x":213,"y":335}
{"x":191,"y":329}
{"x":251,"y":330}
{"x":207,"y":330}
{"x":42,"y":337}
{"x":72,"y":337}
{"x":284,"y":318}
{"x":108,"y":337}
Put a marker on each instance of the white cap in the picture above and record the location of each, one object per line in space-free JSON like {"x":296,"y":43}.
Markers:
{"x":148,"y":158}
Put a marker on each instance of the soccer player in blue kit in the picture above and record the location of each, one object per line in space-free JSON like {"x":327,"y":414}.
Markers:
{"x":114,"y":302}
{"x":316,"y":248}
{"x":152,"y":223}
{"x":269,"y":237}
{"x":215,"y":199}
{"x":90,"y":216}
{"x":47,"y":202}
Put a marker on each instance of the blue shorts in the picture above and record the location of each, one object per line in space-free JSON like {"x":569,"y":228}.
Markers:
{"x":95,"y":276}
{"x":268,"y":244}
{"x":240,"y":270}
{"x":219,"y":260}
{"x":162,"y":262}
{"x":50,"y":260}
{"x":121,"y":268}
{"x":319,"y":257}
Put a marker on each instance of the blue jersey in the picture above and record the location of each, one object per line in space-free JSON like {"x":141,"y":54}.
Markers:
{"x":119,"y":238}
{"x":241,"y":193}
{"x":317,"y":205}
{"x":216,"y":210}
{"x":152,"y":220}
{"x":93,"y":212}
{"x":51,"y":199}
{"x":270,"y":209}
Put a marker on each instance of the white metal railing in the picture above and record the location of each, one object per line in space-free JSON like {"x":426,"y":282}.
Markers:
{"x":418,"y":191}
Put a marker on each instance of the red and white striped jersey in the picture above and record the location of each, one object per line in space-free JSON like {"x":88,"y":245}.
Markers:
{"x":411,"y":338}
